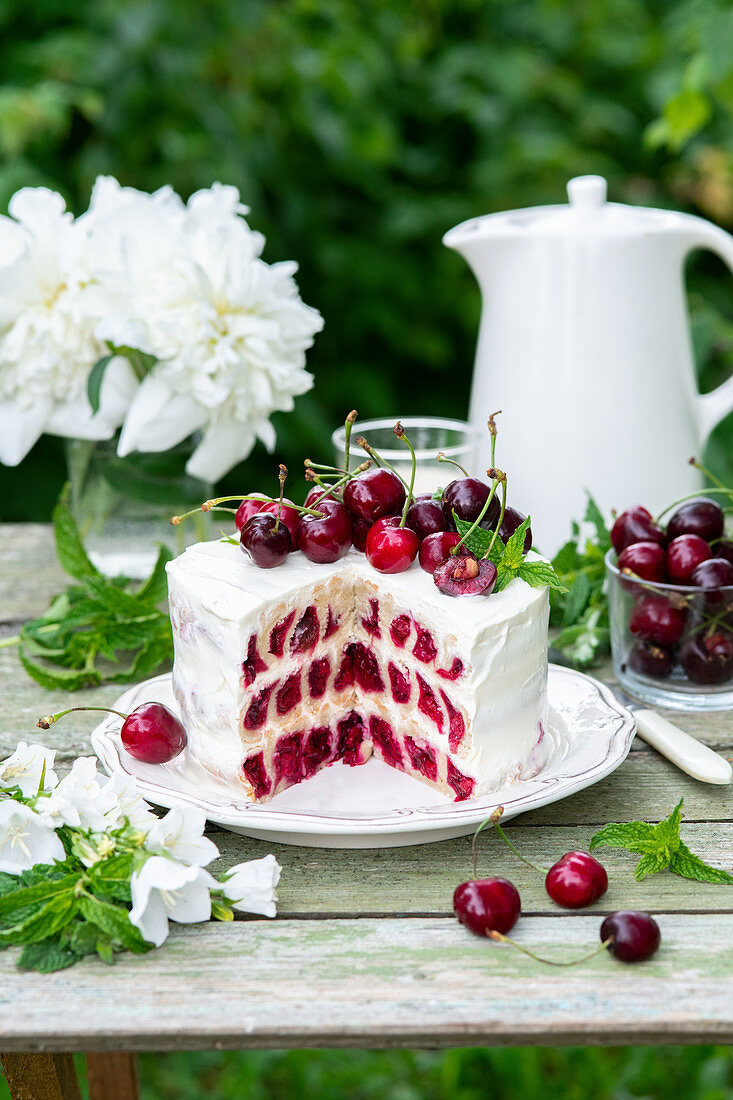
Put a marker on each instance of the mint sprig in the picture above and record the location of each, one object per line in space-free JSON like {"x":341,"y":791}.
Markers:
{"x":100,"y":629}
{"x":510,"y":558}
{"x":660,"y":848}
{"x":581,"y":610}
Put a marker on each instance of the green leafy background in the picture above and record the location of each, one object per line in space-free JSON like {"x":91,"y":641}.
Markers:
{"x":359,"y":133}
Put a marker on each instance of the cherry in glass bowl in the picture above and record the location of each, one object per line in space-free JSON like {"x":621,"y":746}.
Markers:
{"x":672,"y":644}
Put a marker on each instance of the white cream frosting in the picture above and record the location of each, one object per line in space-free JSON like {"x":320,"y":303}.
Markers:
{"x":219,"y":599}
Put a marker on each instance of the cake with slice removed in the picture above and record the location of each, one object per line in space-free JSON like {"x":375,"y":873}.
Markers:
{"x":281,"y":672}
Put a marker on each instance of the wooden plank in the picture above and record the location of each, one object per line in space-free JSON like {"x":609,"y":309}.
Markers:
{"x":112,"y":1075}
{"x":42,"y":1077}
{"x":420,"y":880}
{"x":30,"y":574}
{"x":379,"y":983}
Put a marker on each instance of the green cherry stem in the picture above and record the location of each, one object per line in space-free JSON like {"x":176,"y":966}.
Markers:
{"x":380,"y":460}
{"x":44,"y":723}
{"x":348,"y":425}
{"x":502,"y":478}
{"x":500,"y":938}
{"x":476,"y":523}
{"x":213,"y":505}
{"x":399,"y":431}
{"x":281,"y":477}
{"x":695,"y":496}
{"x":311,"y":475}
{"x":492,"y":433}
{"x":442,"y":457}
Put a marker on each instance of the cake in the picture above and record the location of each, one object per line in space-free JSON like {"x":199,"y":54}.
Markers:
{"x":281,"y":672}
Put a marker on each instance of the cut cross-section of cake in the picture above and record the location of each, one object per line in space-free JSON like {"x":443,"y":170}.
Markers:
{"x":279,"y":673}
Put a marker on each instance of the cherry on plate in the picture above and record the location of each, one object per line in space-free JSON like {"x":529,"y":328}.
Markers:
{"x":152,"y":734}
{"x":702,"y":517}
{"x":684,"y":554}
{"x":577,"y":879}
{"x":266,"y":541}
{"x":635,"y":936}
{"x":487,"y":905}
{"x":635,"y":525}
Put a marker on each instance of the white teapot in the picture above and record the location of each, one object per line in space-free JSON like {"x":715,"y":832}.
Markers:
{"x":585,"y":346}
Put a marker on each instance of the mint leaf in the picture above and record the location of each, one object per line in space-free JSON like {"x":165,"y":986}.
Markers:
{"x":650,"y":864}
{"x":155,"y":589}
{"x":513,"y":555}
{"x":69,"y":546}
{"x":115,"y":921}
{"x":688,"y":865}
{"x":46,"y":956}
{"x":539,"y":573}
{"x":635,"y":836}
{"x":594,"y":515}
{"x":579,"y":594}
{"x":478,"y":541}
{"x":581,"y":570}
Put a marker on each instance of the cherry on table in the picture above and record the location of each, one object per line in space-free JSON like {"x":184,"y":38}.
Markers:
{"x":649,"y":659}
{"x":702,"y":517}
{"x":654,"y":619}
{"x":389,"y":547}
{"x":266,"y":541}
{"x":325,"y":539}
{"x":487,"y":905}
{"x":466,"y":497}
{"x":708,"y":658}
{"x":684,"y":554}
{"x":375,"y":493}
{"x":634,"y":936}
{"x":435,"y":549}
{"x":425,"y":517}
{"x":577,"y":879}
{"x":635,"y":525}
{"x":644,"y":559}
{"x":511,"y":521}
{"x":463,"y":575}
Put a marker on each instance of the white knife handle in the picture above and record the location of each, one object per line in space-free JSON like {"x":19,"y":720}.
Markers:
{"x":682,"y":748}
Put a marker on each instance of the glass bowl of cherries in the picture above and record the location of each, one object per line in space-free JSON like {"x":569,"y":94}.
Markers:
{"x":670,"y":591}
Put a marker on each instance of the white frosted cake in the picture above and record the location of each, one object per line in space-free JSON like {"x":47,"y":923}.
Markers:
{"x":280,"y":672}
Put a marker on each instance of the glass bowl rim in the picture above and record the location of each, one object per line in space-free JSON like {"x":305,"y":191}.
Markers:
{"x":471,"y":431}
{"x":662,"y":586}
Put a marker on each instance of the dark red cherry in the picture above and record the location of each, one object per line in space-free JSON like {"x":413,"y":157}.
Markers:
{"x":265,"y":540}
{"x":509,"y":524}
{"x":463,"y":575}
{"x":153,"y":734}
{"x":466,"y":497}
{"x":577,"y":879}
{"x":654,"y":619}
{"x":315,"y":494}
{"x":713,"y":575}
{"x":644,"y":559}
{"x":435,"y":549}
{"x":425,"y":517}
{"x":389,"y":547}
{"x":375,"y":493}
{"x":326,"y":539}
{"x":684,"y":554}
{"x":360,"y":530}
{"x":708,"y":659}
{"x":247,"y":509}
{"x":635,"y":936}
{"x":702,"y":517}
{"x":649,"y":659}
{"x":487,"y":905}
{"x":635,"y":525}
{"x":724,"y":549}
{"x":289,"y":516}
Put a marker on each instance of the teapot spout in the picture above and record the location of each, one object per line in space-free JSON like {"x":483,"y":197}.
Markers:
{"x":474,"y":242}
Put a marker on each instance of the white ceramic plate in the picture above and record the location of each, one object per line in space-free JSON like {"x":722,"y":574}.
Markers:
{"x":375,"y":806}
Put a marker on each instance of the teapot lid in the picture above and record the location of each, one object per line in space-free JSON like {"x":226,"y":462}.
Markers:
{"x":586,"y":214}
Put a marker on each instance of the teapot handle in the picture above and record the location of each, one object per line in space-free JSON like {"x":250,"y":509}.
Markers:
{"x":712,"y":407}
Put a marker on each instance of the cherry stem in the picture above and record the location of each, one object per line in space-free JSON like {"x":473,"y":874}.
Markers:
{"x":477,"y":521}
{"x":490,"y":820}
{"x":502,"y":477}
{"x":281,"y":478}
{"x":380,"y":461}
{"x":442,"y":457}
{"x":500,"y":938}
{"x":44,"y":723}
{"x":213,"y":504}
{"x":517,"y":853}
{"x":694,"y":496}
{"x":710,"y":475}
{"x":399,"y":431}
{"x":348,"y":425}
{"x":330,"y":470}
{"x":492,"y":433}
{"x":331,"y":489}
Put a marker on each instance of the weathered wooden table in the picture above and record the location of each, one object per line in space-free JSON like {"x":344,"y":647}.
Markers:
{"x":365,"y":950}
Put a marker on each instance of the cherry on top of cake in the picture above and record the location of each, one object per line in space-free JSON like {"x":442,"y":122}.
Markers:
{"x":465,"y":536}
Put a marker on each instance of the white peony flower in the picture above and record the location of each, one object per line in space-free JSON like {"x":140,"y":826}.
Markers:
{"x":51,"y":301}
{"x":179,"y":835}
{"x":251,"y":886}
{"x":228,"y":330}
{"x":24,"y":839}
{"x":25,"y":768}
{"x":164,"y":889}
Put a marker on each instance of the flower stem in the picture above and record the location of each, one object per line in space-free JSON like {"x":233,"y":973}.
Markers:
{"x":44,"y":723}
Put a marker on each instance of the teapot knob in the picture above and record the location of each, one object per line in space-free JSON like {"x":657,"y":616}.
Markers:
{"x":587,"y":193}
